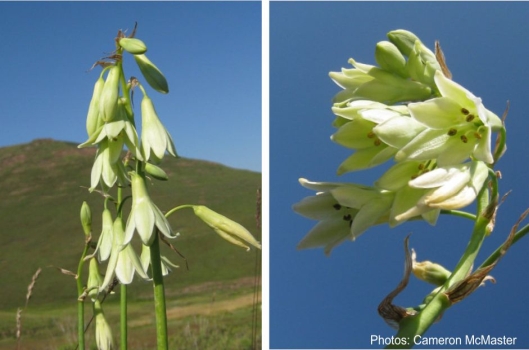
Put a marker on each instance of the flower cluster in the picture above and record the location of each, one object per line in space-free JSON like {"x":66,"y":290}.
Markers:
{"x":410,"y":111}
{"x":110,"y":120}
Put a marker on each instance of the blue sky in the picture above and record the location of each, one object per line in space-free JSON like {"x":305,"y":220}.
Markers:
{"x":331,"y":302}
{"x":210,"y":54}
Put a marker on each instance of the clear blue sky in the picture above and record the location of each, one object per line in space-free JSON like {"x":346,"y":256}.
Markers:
{"x":331,"y":302}
{"x":210,"y":54}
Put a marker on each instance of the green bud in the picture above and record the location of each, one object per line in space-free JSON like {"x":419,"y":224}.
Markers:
{"x":390,"y":59}
{"x":104,"y":339}
{"x":403,"y":40}
{"x":226,"y":228}
{"x":93,"y":121}
{"x":152,"y":74}
{"x":429,"y":272}
{"x":156,"y":172}
{"x":108,"y":103}
{"x":133,"y":45}
{"x":94,"y":279}
{"x":86,"y":219}
{"x":422,"y":64}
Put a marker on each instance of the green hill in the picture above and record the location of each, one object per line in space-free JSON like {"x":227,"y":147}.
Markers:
{"x":43,"y":185}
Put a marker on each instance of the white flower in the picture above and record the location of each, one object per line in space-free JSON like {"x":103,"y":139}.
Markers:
{"x":145,"y":215}
{"x":104,"y":338}
{"x":459,"y":126}
{"x":155,"y":140}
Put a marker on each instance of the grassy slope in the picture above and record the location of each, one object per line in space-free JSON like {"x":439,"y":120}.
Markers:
{"x":40,"y":199}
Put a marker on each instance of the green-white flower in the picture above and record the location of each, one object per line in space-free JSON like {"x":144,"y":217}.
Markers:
{"x":448,"y":187}
{"x":458,"y":126}
{"x":155,"y":139}
{"x":344,"y":211}
{"x":145,"y":215}
{"x":108,"y":100}
{"x":368,"y":82}
{"x":104,"y":244}
{"x":145,"y":259}
{"x":228,"y":229}
{"x":107,"y":166}
{"x":94,"y":279}
{"x":123,"y":260}
{"x":374,"y":130}
{"x":104,"y":339}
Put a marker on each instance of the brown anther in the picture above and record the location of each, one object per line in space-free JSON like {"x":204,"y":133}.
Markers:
{"x":377,"y":142}
{"x":470,"y":118}
{"x":452,"y":132}
{"x":464,"y":139}
{"x":370,"y":135}
{"x":421,"y":166}
{"x":347,"y":217}
{"x":337,"y":206}
{"x":464,"y":111}
{"x":477,"y":135}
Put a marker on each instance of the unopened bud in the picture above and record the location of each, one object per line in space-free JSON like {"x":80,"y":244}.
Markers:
{"x":94,"y":279}
{"x":133,"y":45}
{"x":86,"y":219}
{"x":403,"y":40}
{"x":93,"y":121}
{"x":390,"y":59}
{"x":152,"y":74}
{"x":422,"y":64}
{"x":156,"y":172}
{"x":429,"y":272}
{"x":108,"y":103}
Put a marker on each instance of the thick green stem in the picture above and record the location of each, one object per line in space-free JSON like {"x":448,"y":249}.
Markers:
{"x":123,"y":317}
{"x":159,"y":294}
{"x":417,"y":325}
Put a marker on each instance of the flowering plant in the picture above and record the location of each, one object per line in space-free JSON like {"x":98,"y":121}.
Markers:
{"x":438,"y":136}
{"x":111,"y":126}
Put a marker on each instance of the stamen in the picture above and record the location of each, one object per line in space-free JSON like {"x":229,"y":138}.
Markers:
{"x":477,"y":135}
{"x":470,"y":118}
{"x":337,"y":206}
{"x":370,"y":135}
{"x":464,"y":111}
{"x":347,"y":217}
{"x":452,"y":132}
{"x":377,"y":142}
{"x":421,"y":166}
{"x":464,"y":139}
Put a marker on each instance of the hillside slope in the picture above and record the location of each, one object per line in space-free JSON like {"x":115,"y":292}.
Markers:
{"x":42,"y":190}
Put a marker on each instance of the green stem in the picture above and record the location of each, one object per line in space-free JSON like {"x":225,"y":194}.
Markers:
{"x":416,"y":325}
{"x":459,"y":213}
{"x":80,"y":290}
{"x":123,"y":317}
{"x":496,"y":254}
{"x":159,"y":294}
{"x":178,"y":208}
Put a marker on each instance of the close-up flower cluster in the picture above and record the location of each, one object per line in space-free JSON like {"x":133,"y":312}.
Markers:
{"x":407,"y":110}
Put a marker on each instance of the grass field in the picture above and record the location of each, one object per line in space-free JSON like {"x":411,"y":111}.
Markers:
{"x":43,"y":185}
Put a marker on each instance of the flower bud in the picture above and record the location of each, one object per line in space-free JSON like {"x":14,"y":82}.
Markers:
{"x":152,"y":74}
{"x":94,"y":279}
{"x":93,"y":121}
{"x":422,"y":64}
{"x":390,"y":59}
{"x":403,"y":40}
{"x":429,"y":272}
{"x":108,"y":102}
{"x":86,"y":219}
{"x":104,"y":338}
{"x":133,"y":45}
{"x":226,"y":228}
{"x":156,"y":172}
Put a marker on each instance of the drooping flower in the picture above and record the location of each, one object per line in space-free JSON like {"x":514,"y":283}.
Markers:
{"x":145,"y":215}
{"x":344,"y":211}
{"x":104,"y":339}
{"x":124,"y":261}
{"x":107,"y":166}
{"x":458,"y":126}
{"x":145,"y":259}
{"x":155,"y":140}
{"x":104,"y":244}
